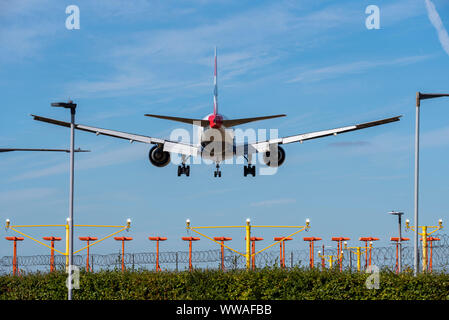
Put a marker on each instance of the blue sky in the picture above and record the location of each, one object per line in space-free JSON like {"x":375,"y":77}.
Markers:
{"x":313,"y":60}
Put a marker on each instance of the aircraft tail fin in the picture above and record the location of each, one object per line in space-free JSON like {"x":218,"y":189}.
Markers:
{"x":215,"y":84}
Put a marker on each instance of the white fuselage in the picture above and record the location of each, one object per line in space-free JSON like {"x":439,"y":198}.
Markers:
{"x":217,"y":143}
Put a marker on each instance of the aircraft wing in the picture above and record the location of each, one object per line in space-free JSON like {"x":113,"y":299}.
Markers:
{"x":50,"y":150}
{"x":169,"y":146}
{"x":264,"y":146}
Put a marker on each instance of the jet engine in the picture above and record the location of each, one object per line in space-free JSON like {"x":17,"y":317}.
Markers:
{"x":271,"y":159}
{"x":158,"y":157}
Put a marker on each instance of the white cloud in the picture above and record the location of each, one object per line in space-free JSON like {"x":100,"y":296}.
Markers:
{"x":396,"y":11}
{"x":349,"y":144}
{"x":438,"y":24}
{"x":146,"y":61}
{"x":338,"y":70}
{"x":25,"y":194}
{"x":267,"y":203}
{"x":115,"y":85}
{"x":436,"y":138}
{"x":23,"y":34}
{"x":19,"y":42}
{"x":20,"y":8}
{"x":96,"y":159}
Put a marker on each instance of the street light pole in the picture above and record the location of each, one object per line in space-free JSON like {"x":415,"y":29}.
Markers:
{"x":415,"y":234}
{"x":72,"y":106}
{"x":400,"y":244}
{"x":72,"y":158}
{"x":419,"y":96}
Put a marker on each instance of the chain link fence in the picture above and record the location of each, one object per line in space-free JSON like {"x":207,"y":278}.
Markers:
{"x":382,"y":257}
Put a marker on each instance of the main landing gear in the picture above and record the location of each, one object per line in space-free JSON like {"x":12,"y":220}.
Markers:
{"x":183,"y":170}
{"x":217,"y":172}
{"x":249,"y":169}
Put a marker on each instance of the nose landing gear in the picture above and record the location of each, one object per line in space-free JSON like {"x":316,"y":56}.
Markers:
{"x":217,"y":172}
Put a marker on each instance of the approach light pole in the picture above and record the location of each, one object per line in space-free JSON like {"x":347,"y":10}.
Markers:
{"x":72,"y":106}
{"x":419,"y":96}
{"x":399,"y":214}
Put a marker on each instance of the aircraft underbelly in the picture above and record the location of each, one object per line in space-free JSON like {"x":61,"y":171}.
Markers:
{"x":217,"y":144}
{"x":218,"y":151}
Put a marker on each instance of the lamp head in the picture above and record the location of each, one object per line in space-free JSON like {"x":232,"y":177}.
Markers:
{"x":307,"y":222}
{"x":407,"y":223}
{"x":7,"y":223}
{"x":396,"y":213}
{"x":128,"y":222}
{"x":440,"y":223}
{"x":68,"y":105}
{"x":188,"y":223}
{"x":248,"y":220}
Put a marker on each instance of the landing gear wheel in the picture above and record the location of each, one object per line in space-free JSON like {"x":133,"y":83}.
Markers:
{"x":183,"y":170}
{"x":249,"y":169}
{"x":217,"y":172}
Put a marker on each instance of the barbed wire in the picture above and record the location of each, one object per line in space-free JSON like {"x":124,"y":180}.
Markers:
{"x":382,"y":257}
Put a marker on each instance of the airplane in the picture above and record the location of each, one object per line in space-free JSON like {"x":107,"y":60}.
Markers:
{"x":216,"y":138}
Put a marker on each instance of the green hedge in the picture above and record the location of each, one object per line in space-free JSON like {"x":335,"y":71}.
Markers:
{"x":236,"y":285}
